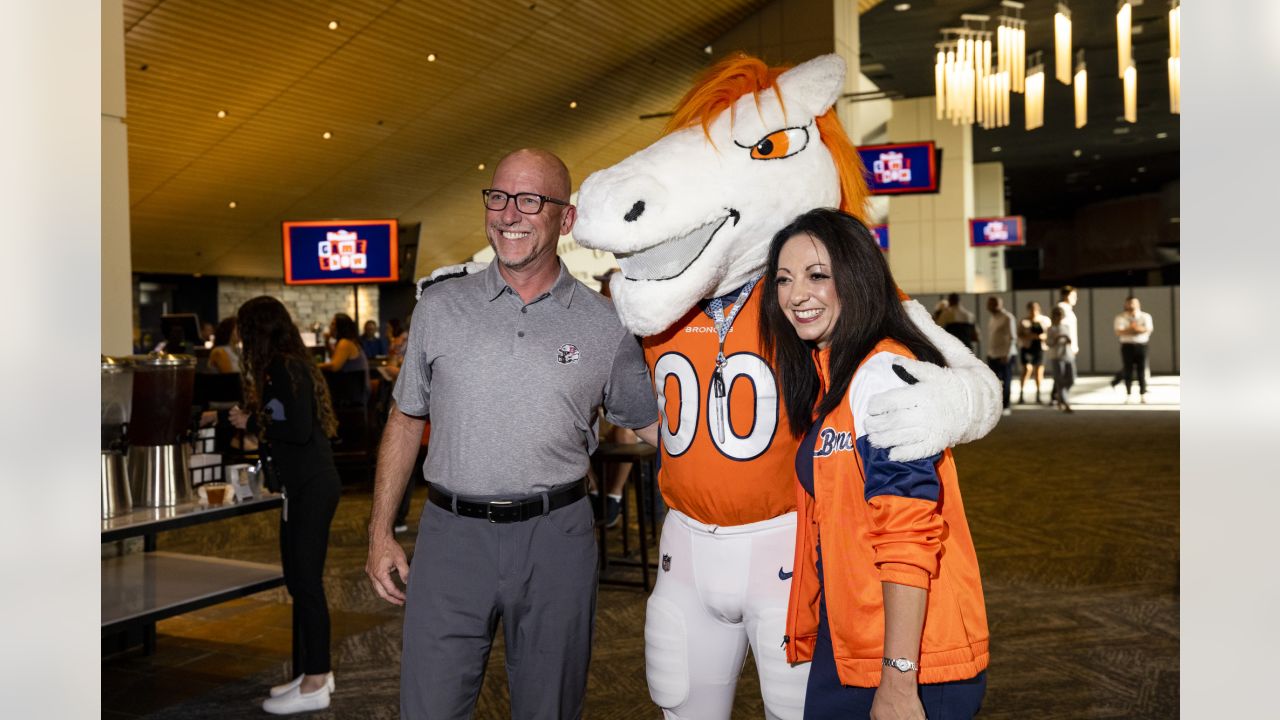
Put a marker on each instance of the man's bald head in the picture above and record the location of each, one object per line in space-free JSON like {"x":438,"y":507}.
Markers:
{"x":553,"y":169}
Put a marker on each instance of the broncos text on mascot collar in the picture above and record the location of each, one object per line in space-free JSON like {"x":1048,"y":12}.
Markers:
{"x":690,"y":217}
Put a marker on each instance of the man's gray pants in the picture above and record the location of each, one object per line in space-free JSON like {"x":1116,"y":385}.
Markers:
{"x":538,"y":576}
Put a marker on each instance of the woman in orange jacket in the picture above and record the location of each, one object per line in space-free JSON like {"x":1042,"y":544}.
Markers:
{"x":886,"y":598}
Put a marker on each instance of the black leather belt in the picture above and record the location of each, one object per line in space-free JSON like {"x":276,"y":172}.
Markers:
{"x":508,"y":511}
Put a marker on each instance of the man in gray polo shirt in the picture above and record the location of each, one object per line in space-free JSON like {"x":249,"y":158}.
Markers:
{"x":511,"y":364}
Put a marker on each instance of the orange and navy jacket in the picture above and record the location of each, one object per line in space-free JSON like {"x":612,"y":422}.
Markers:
{"x":745,"y":475}
{"x":881,"y":521}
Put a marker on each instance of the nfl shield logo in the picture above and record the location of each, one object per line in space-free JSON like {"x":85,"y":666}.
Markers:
{"x":567,"y":354}
{"x":666,"y":563}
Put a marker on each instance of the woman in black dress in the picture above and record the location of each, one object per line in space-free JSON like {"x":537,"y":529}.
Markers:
{"x":288,"y":406}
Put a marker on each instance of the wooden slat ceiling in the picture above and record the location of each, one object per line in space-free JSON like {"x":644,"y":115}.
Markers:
{"x":407,"y":134}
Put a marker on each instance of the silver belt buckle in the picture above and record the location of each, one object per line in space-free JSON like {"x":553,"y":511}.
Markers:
{"x":489,"y":508}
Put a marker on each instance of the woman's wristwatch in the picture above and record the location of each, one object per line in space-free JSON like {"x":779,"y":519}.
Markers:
{"x":902,"y":665}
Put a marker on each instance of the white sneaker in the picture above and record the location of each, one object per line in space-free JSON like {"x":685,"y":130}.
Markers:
{"x":279,"y":690}
{"x":1006,"y":412}
{"x":295,"y":701}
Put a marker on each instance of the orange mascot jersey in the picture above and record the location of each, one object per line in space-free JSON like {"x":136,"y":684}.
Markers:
{"x":718,"y":467}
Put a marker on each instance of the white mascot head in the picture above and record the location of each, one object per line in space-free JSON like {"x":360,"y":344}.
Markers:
{"x":749,"y":148}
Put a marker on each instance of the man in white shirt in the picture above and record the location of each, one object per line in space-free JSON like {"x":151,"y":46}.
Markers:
{"x":1133,"y":327}
{"x":1002,"y":345}
{"x":1066,"y":302}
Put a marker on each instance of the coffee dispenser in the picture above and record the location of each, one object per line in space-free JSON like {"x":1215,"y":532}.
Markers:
{"x":163,"y":386}
{"x":117,"y":401}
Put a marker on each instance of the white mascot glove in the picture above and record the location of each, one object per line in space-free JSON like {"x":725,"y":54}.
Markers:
{"x":466,"y":268}
{"x":948,"y":406}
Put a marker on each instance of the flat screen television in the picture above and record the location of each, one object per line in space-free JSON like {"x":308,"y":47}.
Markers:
{"x":320,"y":252}
{"x":902,"y":168}
{"x":996,"y":231}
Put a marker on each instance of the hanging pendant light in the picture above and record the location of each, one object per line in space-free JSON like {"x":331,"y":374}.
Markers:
{"x":1035,"y":93}
{"x":1062,"y":44}
{"x":1080,"y":84}
{"x":1131,"y":93}
{"x":1011,"y":44}
{"x":1124,"y":35}
{"x":1175,"y":57}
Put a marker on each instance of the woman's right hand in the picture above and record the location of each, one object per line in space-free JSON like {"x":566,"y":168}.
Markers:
{"x":238,"y":417}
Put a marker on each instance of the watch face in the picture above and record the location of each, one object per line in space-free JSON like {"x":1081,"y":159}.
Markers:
{"x":902,"y":664}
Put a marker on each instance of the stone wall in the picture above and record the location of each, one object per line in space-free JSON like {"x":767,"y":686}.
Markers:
{"x":308,"y":304}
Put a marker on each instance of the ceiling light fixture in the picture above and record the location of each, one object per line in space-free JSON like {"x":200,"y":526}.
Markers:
{"x":232,"y":204}
{"x":1034,"y":99}
{"x":1175,"y":57}
{"x":965,"y":88}
{"x":573,"y":104}
{"x":902,"y":7}
{"x":222,"y":113}
{"x":1077,"y":152}
{"x":996,"y":149}
{"x":1161,"y":135}
{"x":1080,"y":84}
{"x":327,"y":135}
{"x":1131,"y":93}
{"x":1062,"y":44}
{"x":480,"y":166}
{"x":1011,"y":44}
{"x":707,"y":49}
{"x":431,"y":57}
{"x":333,"y":24}
{"x":1124,"y":36}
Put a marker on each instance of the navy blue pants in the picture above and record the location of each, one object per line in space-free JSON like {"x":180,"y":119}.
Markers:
{"x":826,"y":699}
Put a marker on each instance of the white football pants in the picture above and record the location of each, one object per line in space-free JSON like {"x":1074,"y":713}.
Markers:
{"x":719,"y":589}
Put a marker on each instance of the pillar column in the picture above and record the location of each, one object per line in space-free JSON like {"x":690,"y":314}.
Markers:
{"x":117,"y":280}
{"x":989,"y":274}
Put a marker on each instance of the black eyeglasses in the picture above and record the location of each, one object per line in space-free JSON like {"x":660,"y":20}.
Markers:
{"x":526,"y":202}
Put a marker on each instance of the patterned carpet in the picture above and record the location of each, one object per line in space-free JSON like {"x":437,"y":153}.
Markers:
{"x":1075,"y":519}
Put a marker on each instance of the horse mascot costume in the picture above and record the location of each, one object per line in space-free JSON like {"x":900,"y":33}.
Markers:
{"x":689,"y":219}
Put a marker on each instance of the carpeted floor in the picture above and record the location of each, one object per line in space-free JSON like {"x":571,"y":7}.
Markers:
{"x":1075,"y":519}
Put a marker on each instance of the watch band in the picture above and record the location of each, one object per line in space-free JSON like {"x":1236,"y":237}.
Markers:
{"x":902,"y":665}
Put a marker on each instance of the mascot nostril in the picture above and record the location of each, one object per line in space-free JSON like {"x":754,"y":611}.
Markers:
{"x":636,"y":211}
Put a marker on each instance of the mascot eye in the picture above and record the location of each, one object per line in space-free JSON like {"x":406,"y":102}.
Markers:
{"x":780,"y":144}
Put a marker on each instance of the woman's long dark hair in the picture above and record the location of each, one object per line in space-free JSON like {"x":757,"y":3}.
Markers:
{"x":267,"y":332}
{"x":870,"y":311}
{"x":226,"y":328}
{"x":344,"y":328}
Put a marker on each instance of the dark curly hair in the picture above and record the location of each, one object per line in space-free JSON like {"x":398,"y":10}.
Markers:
{"x":267,"y":332}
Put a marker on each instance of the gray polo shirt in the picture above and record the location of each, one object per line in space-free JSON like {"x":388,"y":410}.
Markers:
{"x":512,"y":389}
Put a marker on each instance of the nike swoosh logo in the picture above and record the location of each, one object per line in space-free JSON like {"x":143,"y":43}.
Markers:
{"x":784,"y":575}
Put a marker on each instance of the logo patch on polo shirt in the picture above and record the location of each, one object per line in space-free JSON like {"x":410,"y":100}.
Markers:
{"x":567,"y":354}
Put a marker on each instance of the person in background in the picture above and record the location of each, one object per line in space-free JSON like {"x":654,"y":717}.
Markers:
{"x":1002,"y":348}
{"x":886,"y":596}
{"x":1066,"y":304}
{"x":347,"y":353}
{"x":287,"y":405}
{"x":370,"y":343}
{"x":1062,"y":357}
{"x":207,"y":334}
{"x":397,"y":339}
{"x":1133,"y":327}
{"x":957,"y":320}
{"x":224,"y":357}
{"x":511,"y":364}
{"x":1032,"y":330}
{"x":609,"y":507}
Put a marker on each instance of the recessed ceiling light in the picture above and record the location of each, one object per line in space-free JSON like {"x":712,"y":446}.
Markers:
{"x":222,"y":113}
{"x":1076,"y":153}
{"x":431,"y":57}
{"x":232,"y":204}
{"x":1142,"y":168}
{"x":480,"y":166}
{"x":707,"y":49}
{"x":997,"y":148}
{"x":333,"y":24}
{"x":902,"y":7}
{"x":573,"y":104}
{"x":327,"y":135}
{"x":1161,"y":135}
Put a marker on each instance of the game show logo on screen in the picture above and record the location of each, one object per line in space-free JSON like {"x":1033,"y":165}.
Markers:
{"x":340,"y":251}
{"x":901,"y":168}
{"x":989,"y":232}
{"x":882,"y":236}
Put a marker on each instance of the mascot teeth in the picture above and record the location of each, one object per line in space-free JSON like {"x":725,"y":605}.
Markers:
{"x":672,"y":257}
